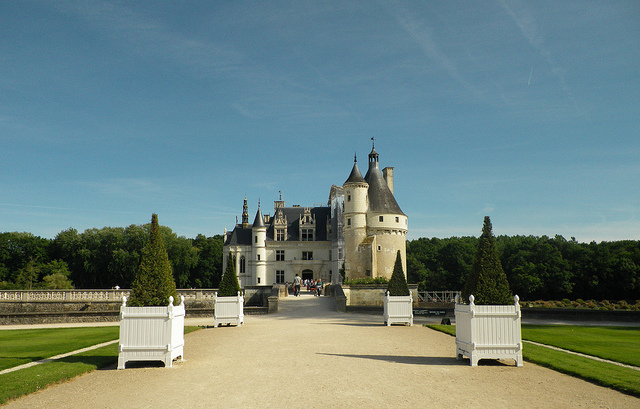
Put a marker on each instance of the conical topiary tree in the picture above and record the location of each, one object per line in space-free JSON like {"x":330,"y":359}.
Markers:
{"x":154,"y":283}
{"x":229,"y":285}
{"x":398,"y":283}
{"x":487,"y":280}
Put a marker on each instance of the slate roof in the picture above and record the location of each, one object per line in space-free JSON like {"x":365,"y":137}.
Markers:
{"x":258,"y":222}
{"x":242,"y":236}
{"x":381,"y":199}
{"x":239,"y":236}
{"x":355,"y":176}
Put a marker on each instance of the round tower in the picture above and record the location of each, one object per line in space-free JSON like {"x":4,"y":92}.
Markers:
{"x":386,"y":223}
{"x":259,"y":246}
{"x":354,"y":223}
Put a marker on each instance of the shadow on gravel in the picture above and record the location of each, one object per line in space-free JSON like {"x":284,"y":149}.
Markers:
{"x":423,"y":360}
{"x":409,"y":360}
{"x":355,"y":324}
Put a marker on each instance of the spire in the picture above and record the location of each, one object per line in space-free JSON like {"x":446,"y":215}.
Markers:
{"x":258,"y":221}
{"x":245,"y":214}
{"x":373,"y":156}
{"x":355,"y":176}
{"x":373,"y":161}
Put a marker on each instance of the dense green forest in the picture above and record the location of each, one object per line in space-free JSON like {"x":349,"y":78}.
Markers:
{"x":536,"y":267}
{"x":103,"y":258}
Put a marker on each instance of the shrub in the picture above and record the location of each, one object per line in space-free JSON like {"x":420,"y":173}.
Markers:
{"x":229,"y":285}
{"x":398,"y":283}
{"x":591,"y":304}
{"x":487,"y":280}
{"x":154,"y":283}
{"x":623,"y":305}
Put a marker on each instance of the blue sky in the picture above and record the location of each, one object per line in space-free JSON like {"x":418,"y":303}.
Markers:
{"x":528,"y":112}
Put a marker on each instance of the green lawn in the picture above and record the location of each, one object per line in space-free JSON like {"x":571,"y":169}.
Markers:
{"x":613,"y":376}
{"x":620,"y":344}
{"x":19,"y":347}
{"x":29,"y":380}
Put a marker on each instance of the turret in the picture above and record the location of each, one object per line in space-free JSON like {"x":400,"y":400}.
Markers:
{"x":386,"y":223}
{"x":355,"y":221}
{"x":375,"y":227}
{"x":259,"y":243}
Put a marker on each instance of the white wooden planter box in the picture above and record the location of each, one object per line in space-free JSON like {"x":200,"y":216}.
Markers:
{"x":228,"y":310}
{"x":151,"y":333}
{"x":397,"y":309}
{"x":488,"y":331}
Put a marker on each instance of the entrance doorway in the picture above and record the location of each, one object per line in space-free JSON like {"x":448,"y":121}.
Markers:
{"x":307,"y":275}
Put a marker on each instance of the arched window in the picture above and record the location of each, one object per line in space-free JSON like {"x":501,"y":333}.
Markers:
{"x":243,"y":264}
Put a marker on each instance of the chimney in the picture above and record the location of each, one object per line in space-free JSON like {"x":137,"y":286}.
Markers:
{"x":388,"y":176}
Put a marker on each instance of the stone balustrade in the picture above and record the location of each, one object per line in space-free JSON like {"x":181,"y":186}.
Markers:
{"x":91,"y":295}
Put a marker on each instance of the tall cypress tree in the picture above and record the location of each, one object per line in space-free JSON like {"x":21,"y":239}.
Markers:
{"x":398,"y":283}
{"x":154,"y":281}
{"x":487,"y":280}
{"x":229,"y":285}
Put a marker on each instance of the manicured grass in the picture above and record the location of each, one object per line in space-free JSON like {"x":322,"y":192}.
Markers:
{"x":23,"y":346}
{"x":613,"y":376}
{"x":620,"y":344}
{"x":29,"y":380}
{"x":447,"y":329}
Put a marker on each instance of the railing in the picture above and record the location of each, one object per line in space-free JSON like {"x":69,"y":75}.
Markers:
{"x":91,"y":295}
{"x":438,"y":296}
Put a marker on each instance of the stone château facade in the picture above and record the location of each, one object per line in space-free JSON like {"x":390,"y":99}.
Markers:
{"x":361,"y":228}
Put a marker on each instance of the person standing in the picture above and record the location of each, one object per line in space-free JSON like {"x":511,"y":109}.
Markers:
{"x":296,"y":285}
{"x":319,"y":287}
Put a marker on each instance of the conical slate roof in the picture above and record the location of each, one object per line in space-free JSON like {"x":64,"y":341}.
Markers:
{"x":355,"y":176}
{"x":381,"y":199}
{"x":259,"y":220}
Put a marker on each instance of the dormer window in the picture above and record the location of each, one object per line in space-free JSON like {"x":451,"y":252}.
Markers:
{"x":280,"y":224}
{"x":307,"y":225}
{"x":306,"y":234}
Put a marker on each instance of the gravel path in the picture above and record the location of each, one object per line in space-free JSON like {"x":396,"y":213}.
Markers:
{"x":309,"y":356}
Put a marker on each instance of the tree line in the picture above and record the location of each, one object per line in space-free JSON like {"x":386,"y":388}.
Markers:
{"x":103,"y":258}
{"x":536,"y":267}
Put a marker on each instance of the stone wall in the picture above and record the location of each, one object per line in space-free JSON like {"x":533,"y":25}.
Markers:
{"x":40,"y":307}
{"x":370,"y":295}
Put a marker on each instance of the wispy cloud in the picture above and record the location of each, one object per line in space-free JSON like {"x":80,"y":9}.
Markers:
{"x":129,"y":188}
{"x":531,"y":30}
{"x":425,"y":37}
{"x":143,"y":35}
{"x":254,"y":89}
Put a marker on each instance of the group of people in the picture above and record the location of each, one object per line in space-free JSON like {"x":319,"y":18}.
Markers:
{"x":313,"y":285}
